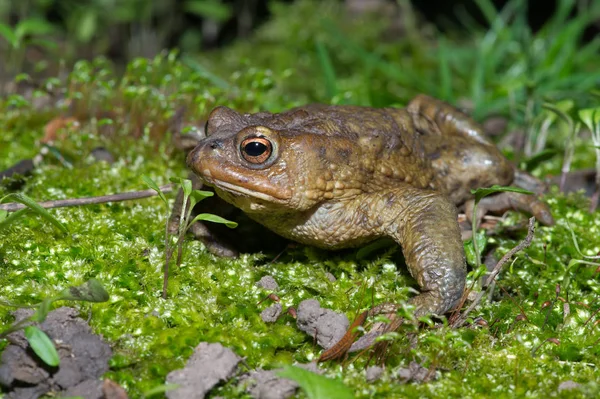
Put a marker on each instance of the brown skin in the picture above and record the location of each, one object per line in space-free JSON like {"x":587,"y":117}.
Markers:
{"x":341,"y":176}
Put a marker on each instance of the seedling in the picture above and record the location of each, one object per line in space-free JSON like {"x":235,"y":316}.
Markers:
{"x":479,"y":194}
{"x":190,"y":198}
{"x":27,"y":32}
{"x":42,"y":345}
{"x":591,"y":119}
{"x":7,"y":218}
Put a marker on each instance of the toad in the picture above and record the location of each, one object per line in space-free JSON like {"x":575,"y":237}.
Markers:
{"x":342,"y":176}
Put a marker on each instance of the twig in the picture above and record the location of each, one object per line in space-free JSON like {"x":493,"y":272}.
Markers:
{"x":131,"y":195}
{"x":522,"y":245}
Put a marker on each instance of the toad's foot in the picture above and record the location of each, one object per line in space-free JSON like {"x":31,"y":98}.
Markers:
{"x":510,"y":200}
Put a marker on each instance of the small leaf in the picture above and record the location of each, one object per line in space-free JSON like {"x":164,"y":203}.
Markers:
{"x":33,"y":26}
{"x":176,"y":180}
{"x":591,"y":118}
{"x":198,"y":195}
{"x":215,"y":219}
{"x":560,"y":108}
{"x":426,"y":320}
{"x":186,"y":185}
{"x":205,"y":73}
{"x":43,"y":43}
{"x":42,"y":346}
{"x":434,"y":340}
{"x":470,"y":251}
{"x":484,"y":192}
{"x":25,"y":200}
{"x":160,"y":389}
{"x":389,"y":336}
{"x":560,"y":112}
{"x":535,"y":160}
{"x":316,"y":386}
{"x":479,"y":272}
{"x":87,"y":25}
{"x":211,"y":9}
{"x":9,"y":35}
{"x":65,"y":161}
{"x":90,"y":291}
{"x":152,"y":184}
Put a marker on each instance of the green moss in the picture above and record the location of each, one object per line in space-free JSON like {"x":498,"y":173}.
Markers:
{"x":214,"y":299}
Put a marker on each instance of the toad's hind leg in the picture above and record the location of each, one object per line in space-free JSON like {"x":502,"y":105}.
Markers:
{"x":469,"y":160}
{"x":450,"y":120}
{"x":462,"y":157}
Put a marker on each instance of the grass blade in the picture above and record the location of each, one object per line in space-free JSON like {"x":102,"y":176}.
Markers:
{"x":25,"y":200}
{"x":327,"y":68}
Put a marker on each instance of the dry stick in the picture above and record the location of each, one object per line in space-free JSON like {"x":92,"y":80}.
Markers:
{"x":523,"y":244}
{"x":131,"y":195}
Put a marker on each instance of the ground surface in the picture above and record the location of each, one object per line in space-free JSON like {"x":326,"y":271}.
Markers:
{"x":554,"y":348}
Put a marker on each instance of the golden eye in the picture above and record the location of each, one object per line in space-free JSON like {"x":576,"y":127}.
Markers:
{"x":256,"y":150}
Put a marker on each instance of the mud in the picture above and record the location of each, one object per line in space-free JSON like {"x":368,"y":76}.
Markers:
{"x":209,"y":365}
{"x":327,"y":326}
{"x":83,"y":359}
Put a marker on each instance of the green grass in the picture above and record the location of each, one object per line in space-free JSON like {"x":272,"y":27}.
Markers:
{"x":505,"y":70}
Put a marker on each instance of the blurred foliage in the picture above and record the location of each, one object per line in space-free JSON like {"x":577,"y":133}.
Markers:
{"x":71,"y":29}
{"x":312,"y":51}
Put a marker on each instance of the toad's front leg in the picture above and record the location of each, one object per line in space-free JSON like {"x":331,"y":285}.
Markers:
{"x":425,"y":224}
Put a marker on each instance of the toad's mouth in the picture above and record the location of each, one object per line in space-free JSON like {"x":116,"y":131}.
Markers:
{"x":236,"y":190}
{"x":237,"y":182}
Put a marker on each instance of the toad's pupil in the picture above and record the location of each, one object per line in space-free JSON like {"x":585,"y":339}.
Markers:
{"x":255,"y":148}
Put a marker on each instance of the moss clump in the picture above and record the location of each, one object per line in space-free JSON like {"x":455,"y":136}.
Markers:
{"x":214,"y":299}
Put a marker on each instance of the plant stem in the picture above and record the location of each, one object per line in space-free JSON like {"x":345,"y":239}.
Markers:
{"x":522,"y":245}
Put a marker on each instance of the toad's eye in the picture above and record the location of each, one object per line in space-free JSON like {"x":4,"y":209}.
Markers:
{"x":256,"y":150}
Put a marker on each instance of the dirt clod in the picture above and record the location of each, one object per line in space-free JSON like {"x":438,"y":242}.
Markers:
{"x":88,"y":389}
{"x":374,"y":373}
{"x":568,"y":385}
{"x":83,"y":359}
{"x":209,"y":365}
{"x":415,"y":373}
{"x":268,"y":283}
{"x":265,"y":384}
{"x":326,"y":325}
{"x":272,"y":313}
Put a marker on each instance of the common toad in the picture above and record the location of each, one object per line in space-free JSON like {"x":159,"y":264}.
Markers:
{"x":341,"y":176}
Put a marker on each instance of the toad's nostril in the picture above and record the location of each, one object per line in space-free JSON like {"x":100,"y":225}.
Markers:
{"x":216,"y":144}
